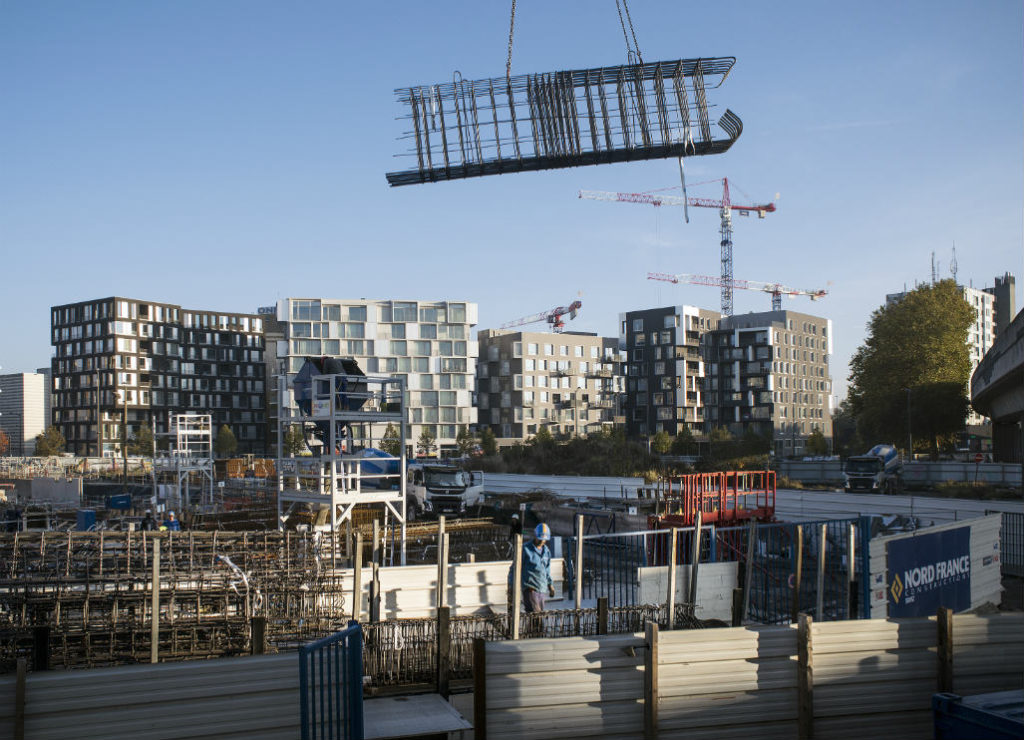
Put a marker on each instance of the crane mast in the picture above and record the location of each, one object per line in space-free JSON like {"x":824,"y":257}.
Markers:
{"x":725,"y":208}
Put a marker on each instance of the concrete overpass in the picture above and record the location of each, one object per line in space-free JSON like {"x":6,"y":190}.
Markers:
{"x":997,"y":391}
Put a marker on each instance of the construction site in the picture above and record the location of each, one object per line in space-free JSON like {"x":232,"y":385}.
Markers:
{"x":347,"y":590}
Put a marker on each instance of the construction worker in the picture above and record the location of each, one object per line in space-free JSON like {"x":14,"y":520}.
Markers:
{"x":536,"y":573}
{"x":148,"y":522}
{"x":171,"y":524}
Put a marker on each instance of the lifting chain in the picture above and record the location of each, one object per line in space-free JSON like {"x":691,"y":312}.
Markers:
{"x":511,"y":31}
{"x":632,"y":31}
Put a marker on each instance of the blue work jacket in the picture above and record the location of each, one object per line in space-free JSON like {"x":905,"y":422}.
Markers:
{"x":536,"y":567}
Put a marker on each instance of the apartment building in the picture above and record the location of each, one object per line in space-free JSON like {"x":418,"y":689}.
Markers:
{"x":665,"y":372}
{"x":23,"y":403}
{"x":769,"y":372}
{"x":426,"y":342}
{"x":570,"y":383}
{"x":132,"y":362}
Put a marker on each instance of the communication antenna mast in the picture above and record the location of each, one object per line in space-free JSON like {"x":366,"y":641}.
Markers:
{"x":952,"y":264}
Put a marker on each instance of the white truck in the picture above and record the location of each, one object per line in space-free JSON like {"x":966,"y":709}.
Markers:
{"x":880,"y":470}
{"x":435,"y":488}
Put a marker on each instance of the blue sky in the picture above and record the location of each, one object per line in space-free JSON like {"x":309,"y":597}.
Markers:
{"x":223,"y":154}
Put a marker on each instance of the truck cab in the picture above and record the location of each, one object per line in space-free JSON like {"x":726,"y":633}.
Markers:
{"x":434,"y":489}
{"x":878,"y":471}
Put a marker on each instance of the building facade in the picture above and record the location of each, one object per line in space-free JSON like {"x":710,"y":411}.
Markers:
{"x":133,"y":363}
{"x":664,"y":380}
{"x":570,"y":383}
{"x":769,"y":373}
{"x":426,"y":342}
{"x":23,"y":402}
{"x":1004,"y":290}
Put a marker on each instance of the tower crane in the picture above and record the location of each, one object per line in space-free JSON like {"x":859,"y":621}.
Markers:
{"x":777,"y":290}
{"x":552,"y":316}
{"x":725,"y":208}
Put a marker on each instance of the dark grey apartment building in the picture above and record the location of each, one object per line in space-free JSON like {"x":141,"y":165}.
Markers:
{"x":769,"y":372}
{"x":664,"y":380}
{"x":125,"y":360}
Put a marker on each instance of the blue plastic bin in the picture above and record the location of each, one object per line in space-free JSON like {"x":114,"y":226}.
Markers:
{"x":996,"y":716}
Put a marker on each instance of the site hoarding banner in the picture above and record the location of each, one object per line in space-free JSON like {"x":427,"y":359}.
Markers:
{"x":929,"y":571}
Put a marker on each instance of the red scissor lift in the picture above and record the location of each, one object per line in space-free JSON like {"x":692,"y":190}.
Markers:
{"x":723,"y":499}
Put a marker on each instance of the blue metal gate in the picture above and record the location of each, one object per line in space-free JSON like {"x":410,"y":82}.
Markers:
{"x":331,"y":686}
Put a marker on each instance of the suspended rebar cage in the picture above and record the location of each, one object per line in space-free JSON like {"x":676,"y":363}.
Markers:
{"x":552,"y":120}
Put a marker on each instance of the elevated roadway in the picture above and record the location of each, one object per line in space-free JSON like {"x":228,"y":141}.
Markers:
{"x":997,"y":391}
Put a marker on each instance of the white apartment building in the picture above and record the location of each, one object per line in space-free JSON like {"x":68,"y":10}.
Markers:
{"x":426,"y":342}
{"x":23,"y":401}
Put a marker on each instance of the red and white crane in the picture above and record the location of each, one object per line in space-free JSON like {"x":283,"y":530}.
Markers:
{"x":552,"y":316}
{"x":725,"y":208}
{"x":777,"y":290}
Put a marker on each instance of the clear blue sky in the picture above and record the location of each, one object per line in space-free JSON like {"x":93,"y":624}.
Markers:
{"x":223,"y":154}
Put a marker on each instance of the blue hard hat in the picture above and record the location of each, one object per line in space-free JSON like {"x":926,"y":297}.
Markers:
{"x":542,"y":532}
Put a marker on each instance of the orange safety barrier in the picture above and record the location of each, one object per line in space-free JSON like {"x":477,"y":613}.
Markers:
{"x":721,"y":498}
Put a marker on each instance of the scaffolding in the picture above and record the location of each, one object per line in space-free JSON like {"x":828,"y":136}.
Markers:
{"x":190,"y":457}
{"x":472,"y":128}
{"x":344,"y":418}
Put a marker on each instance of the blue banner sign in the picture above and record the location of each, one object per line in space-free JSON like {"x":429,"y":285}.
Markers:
{"x":929,"y":571}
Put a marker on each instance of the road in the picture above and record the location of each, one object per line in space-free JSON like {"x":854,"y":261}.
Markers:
{"x":795,"y":505}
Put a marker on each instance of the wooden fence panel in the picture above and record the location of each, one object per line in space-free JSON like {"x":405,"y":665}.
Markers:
{"x":252,"y":697}
{"x":988,"y":653}
{"x":737,"y":682}
{"x":573,"y":687}
{"x":877,"y":674}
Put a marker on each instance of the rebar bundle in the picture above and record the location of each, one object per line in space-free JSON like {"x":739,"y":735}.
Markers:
{"x":471,"y":128}
{"x":94,"y":591}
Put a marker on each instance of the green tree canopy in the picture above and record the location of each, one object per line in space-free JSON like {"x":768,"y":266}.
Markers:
{"x":816,"y":444}
{"x":661,"y":442}
{"x":225,"y":444}
{"x":488,"y":443}
{"x":391,"y":442}
{"x":50,"y":442}
{"x":141,"y":443}
{"x":684,"y":443}
{"x":915,"y":348}
{"x":426,"y":441}
{"x":464,"y":440}
{"x":294,"y":440}
{"x":543,"y":437}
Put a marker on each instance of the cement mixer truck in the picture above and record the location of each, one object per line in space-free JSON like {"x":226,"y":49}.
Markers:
{"x":880,"y":470}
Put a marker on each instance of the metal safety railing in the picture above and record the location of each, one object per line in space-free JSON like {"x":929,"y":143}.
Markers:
{"x":331,"y":686}
{"x":1011,"y":543}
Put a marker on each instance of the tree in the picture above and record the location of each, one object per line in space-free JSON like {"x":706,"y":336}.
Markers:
{"x":661,"y":442}
{"x":684,"y":443}
{"x":816,"y":444}
{"x":542,"y":438}
{"x":488,"y":443}
{"x":914,"y":366}
{"x":426,"y":441}
{"x":391,"y":443}
{"x":141,"y":443}
{"x":5,"y":442}
{"x":294,"y":440}
{"x":50,"y":442}
{"x":225,"y":444}
{"x":464,"y":441}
